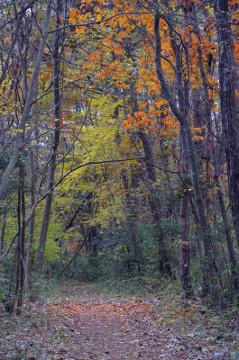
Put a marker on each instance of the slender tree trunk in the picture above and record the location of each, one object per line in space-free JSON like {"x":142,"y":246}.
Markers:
{"x":172,"y":210}
{"x":55,"y":144}
{"x":32,"y":220}
{"x":227,"y":86}
{"x":185,"y":246}
{"x":21,"y":253}
{"x":33,"y":154}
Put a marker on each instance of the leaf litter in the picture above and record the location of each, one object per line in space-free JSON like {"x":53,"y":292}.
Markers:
{"x":86,"y":324}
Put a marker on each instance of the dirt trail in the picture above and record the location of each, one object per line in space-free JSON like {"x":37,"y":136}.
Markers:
{"x":87,"y":324}
{"x":103,"y":327}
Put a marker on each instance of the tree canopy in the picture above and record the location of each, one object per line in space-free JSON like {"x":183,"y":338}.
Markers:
{"x":119,"y":142}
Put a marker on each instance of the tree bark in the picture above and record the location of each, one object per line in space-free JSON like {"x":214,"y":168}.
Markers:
{"x":185,"y":246}
{"x":34,"y":166}
{"x":32,"y":220}
{"x":21,"y":245}
{"x":55,"y":143}
{"x":20,"y":251}
{"x":227,"y":88}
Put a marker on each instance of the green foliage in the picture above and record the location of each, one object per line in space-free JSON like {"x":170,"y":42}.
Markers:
{"x":84,"y":269}
{"x":4,"y":160}
{"x":56,"y":238}
{"x":149,"y":248}
{"x":3,"y":288}
{"x":121,"y":257}
{"x":44,"y":287}
{"x":1,"y":293}
{"x":7,"y":296}
{"x":183,"y":188}
{"x":137,"y":285}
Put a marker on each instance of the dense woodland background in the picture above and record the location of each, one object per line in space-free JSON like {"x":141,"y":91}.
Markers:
{"x":119,"y":144}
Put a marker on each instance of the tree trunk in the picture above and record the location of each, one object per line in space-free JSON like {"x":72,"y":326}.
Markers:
{"x":31,"y":225}
{"x":20,"y":251}
{"x":21,"y":246}
{"x":55,"y":144}
{"x":227,"y":88}
{"x":33,"y":154}
{"x":185,"y":246}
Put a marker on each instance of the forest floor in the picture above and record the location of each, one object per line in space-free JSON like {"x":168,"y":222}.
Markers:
{"x":82,"y":322}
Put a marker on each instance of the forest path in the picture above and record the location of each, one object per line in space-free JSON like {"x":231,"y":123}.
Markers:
{"x":104,"y":327}
{"x":86,"y":324}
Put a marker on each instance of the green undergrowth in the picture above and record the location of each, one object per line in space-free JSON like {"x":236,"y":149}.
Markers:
{"x":169,"y":292}
{"x":140,"y":285}
{"x":44,"y":289}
